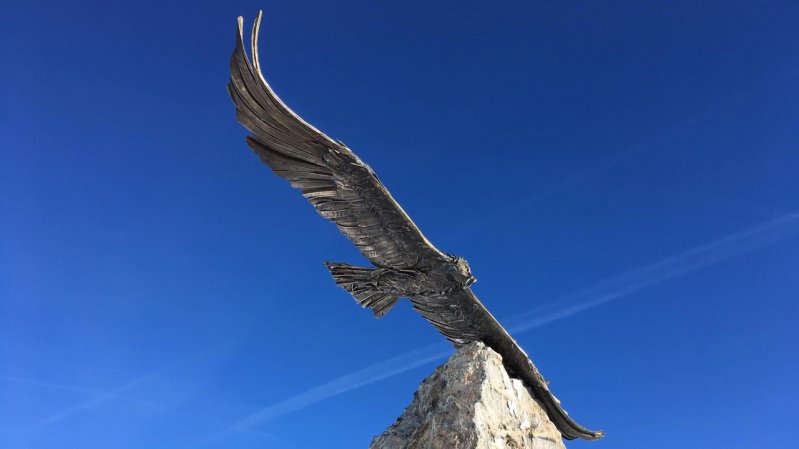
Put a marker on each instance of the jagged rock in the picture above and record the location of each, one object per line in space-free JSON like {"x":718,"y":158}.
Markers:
{"x":470,"y":403}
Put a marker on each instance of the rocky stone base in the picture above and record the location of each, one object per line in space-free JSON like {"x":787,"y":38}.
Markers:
{"x":470,"y":403}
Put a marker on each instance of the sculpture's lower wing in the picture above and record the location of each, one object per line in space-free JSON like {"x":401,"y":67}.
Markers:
{"x":462,"y":318}
{"x":339,"y":185}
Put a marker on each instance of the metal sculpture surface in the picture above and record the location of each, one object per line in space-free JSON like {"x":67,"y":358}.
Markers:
{"x":347,"y":192}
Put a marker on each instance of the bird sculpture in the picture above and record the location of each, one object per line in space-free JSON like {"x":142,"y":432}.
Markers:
{"x":346,"y":191}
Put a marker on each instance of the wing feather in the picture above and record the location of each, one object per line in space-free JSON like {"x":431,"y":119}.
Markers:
{"x":338,"y":184}
{"x":346,"y":191}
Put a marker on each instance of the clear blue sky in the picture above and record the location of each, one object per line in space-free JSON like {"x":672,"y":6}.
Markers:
{"x":621,"y":176}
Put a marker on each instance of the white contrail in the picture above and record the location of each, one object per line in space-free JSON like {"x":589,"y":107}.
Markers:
{"x":701,"y":256}
{"x":627,"y":283}
{"x":373,"y":373}
{"x":74,"y":389}
{"x":119,"y":393}
{"x":51,"y":385}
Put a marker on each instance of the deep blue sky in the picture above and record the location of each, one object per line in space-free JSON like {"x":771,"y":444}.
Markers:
{"x":161,"y":288}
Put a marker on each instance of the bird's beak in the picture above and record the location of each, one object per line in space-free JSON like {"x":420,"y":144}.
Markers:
{"x":471,"y":280}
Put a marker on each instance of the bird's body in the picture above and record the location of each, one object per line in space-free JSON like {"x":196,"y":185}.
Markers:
{"x":347,"y":192}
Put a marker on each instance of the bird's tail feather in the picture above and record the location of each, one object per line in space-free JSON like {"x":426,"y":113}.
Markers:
{"x":361,"y":283}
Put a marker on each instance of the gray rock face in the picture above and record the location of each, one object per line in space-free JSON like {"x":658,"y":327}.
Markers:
{"x":471,"y":403}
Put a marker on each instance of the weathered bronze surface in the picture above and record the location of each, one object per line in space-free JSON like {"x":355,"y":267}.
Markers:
{"x":347,"y":192}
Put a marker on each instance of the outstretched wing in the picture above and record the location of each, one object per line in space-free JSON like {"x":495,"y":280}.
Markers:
{"x":340,"y":186}
{"x":462,"y":318}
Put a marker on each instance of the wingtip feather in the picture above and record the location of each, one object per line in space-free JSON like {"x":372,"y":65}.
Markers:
{"x":240,"y":37}
{"x":256,"y":29}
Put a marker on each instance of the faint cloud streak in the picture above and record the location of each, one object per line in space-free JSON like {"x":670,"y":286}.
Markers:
{"x":370,"y":374}
{"x":632,"y":281}
{"x":116,"y":394}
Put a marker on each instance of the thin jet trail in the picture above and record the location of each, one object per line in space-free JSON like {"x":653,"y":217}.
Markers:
{"x":632,"y":281}
{"x":72,"y":388}
{"x":735,"y":244}
{"x":161,"y":408}
{"x":372,"y":373}
{"x":50,"y":385}
{"x":118,"y":393}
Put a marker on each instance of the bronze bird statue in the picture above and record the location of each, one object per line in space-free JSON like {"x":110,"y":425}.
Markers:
{"x":347,"y":192}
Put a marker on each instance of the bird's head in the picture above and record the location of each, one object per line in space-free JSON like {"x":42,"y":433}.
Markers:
{"x":462,"y":272}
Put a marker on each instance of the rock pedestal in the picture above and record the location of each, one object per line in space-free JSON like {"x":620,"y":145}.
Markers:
{"x":470,"y":403}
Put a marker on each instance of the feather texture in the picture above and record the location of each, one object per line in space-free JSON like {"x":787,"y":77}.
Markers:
{"x":344,"y":190}
{"x":340,"y":186}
